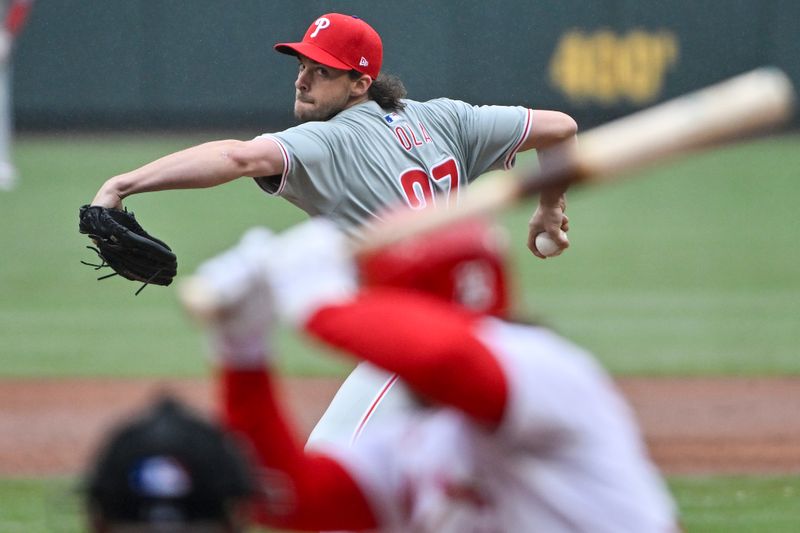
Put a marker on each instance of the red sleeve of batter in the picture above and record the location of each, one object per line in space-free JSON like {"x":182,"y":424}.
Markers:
{"x":430,"y":344}
{"x":299,"y":490}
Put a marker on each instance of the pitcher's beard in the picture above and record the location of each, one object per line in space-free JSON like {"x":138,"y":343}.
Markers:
{"x":317,"y":113}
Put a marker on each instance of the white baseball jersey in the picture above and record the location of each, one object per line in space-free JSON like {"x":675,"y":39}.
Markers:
{"x":566,"y":458}
{"x":364,"y":160}
{"x":368,"y":397}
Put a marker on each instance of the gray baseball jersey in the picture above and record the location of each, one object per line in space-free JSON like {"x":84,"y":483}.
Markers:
{"x":364,"y":160}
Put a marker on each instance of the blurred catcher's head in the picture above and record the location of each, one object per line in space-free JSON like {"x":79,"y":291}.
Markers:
{"x":168,"y":470}
{"x":464,"y":263}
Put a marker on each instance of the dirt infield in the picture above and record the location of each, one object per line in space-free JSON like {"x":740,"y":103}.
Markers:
{"x":727,"y":425}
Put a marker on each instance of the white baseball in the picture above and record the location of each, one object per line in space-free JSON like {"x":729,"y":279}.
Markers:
{"x":546,"y":245}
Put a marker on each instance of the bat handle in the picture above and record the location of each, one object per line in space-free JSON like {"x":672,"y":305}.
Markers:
{"x":486,"y":196}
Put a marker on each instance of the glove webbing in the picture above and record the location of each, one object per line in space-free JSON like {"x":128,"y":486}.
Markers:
{"x":104,"y":264}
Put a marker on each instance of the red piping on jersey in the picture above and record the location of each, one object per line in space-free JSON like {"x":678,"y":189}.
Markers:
{"x":509,"y":162}
{"x":286,"y":163}
{"x":372,"y":407}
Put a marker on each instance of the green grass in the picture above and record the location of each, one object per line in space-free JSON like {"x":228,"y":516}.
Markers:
{"x":738,"y":504}
{"x":719,"y":504}
{"x":53,"y":505}
{"x":689,"y":268}
{"x":39,"y":506}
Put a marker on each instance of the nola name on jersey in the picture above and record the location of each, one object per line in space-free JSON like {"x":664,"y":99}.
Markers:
{"x":405,"y":132}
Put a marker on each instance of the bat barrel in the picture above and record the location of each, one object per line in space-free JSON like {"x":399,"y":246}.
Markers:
{"x":738,"y":107}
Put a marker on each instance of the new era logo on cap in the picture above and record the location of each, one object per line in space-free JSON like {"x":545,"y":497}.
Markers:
{"x":340,"y":41}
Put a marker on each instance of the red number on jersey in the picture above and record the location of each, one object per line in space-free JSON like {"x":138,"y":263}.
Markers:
{"x":446,"y":175}
{"x":418,"y":186}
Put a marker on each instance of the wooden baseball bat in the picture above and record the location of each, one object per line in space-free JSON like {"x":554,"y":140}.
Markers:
{"x":738,"y":107}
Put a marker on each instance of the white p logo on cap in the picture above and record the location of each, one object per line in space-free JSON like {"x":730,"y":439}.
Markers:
{"x":321,"y":23}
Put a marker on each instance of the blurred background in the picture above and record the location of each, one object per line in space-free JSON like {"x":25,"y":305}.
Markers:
{"x":687,"y":269}
{"x":124,"y":64}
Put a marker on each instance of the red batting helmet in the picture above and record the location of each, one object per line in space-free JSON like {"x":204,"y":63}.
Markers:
{"x":464,"y":263}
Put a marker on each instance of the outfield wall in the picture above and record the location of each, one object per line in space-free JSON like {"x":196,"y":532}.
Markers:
{"x":134,"y":64}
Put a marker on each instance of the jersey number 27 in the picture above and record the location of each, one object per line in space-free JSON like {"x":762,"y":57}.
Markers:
{"x":418,"y":186}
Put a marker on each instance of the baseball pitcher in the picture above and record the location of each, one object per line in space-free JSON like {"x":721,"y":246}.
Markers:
{"x":362,"y":148}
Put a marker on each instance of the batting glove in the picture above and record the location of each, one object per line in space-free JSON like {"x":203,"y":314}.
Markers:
{"x":240,"y":331}
{"x":310,"y":266}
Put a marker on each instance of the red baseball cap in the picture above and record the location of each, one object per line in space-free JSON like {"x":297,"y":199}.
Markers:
{"x":340,"y":41}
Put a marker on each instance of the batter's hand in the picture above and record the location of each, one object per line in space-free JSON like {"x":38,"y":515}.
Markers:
{"x":240,"y":331}
{"x":301,"y":270}
{"x":550,"y":217}
{"x":310,"y":266}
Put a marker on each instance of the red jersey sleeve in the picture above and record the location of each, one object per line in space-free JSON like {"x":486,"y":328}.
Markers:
{"x":298,"y":490}
{"x":430,"y":344}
